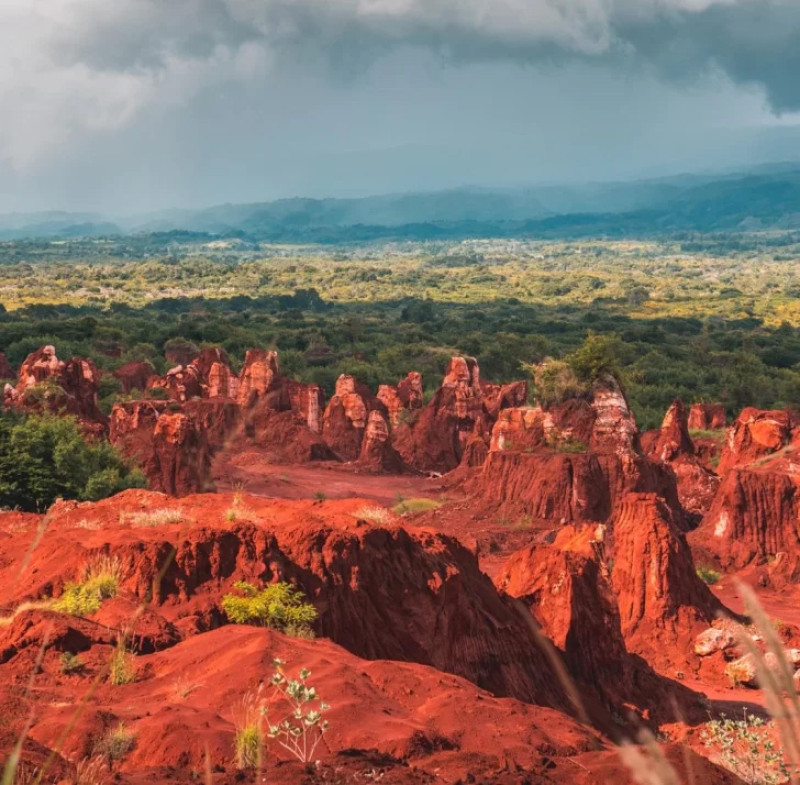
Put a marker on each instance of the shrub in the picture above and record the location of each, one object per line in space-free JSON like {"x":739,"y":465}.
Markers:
{"x":249,"y":735}
{"x":121,"y":668}
{"x":71,"y":663}
{"x":301,"y":728}
{"x":416,"y":505}
{"x":161,"y":517}
{"x":554,"y":381}
{"x":717,"y":436}
{"x":100,"y":580}
{"x":747,"y":748}
{"x":708,"y":575}
{"x":280,"y":606}
{"x":378,"y":515}
{"x":44,"y":457}
{"x":116,"y":743}
{"x":90,"y":771}
{"x":597,"y":356}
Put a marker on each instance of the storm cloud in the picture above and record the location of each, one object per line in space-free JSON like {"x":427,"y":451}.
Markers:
{"x":71,"y":70}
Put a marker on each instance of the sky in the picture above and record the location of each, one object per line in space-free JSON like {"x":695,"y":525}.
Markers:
{"x":131,"y":106}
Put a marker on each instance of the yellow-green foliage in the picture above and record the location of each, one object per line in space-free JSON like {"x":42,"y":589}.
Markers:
{"x":280,"y":606}
{"x":100,"y":581}
{"x":416,"y":505}
{"x":708,"y":575}
{"x":121,"y":668}
{"x":116,"y":743}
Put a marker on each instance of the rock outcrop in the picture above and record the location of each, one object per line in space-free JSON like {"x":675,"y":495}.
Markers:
{"x":572,"y":463}
{"x":663,"y":603}
{"x":345,"y":418}
{"x":755,"y":435}
{"x":377,"y":454}
{"x":568,"y":590}
{"x":46,"y":383}
{"x":707,"y":417}
{"x":399,"y":401}
{"x":673,"y":446}
{"x":436,"y":437}
{"x":755,"y":517}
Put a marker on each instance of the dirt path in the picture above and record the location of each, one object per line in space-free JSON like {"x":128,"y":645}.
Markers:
{"x":333,"y":480}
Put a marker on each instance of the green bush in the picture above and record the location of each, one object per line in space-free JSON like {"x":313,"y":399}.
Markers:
{"x":100,"y":581}
{"x":280,"y":606}
{"x":708,"y":575}
{"x":44,"y":457}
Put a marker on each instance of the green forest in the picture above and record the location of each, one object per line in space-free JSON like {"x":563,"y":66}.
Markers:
{"x":701,"y":317}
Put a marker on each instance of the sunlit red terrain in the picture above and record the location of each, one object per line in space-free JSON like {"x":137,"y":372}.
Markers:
{"x":505,"y":594}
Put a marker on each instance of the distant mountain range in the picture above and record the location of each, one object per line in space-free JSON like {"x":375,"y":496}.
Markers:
{"x":767,"y":197}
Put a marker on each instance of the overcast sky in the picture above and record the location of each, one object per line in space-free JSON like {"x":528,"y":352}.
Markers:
{"x":133,"y":105}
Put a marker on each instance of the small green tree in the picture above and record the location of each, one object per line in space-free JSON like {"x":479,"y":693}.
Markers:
{"x":45,"y":457}
{"x":596,"y":356}
{"x":280,"y":606}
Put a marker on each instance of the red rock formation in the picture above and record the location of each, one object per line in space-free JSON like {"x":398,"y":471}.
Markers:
{"x":345,"y":418}
{"x":173,"y":448}
{"x":673,"y":446}
{"x":134,"y":376}
{"x":377,"y":454}
{"x":663,"y":604}
{"x":258,"y":377}
{"x":707,"y":417}
{"x":181,"y":383}
{"x":672,"y":440}
{"x":755,"y":517}
{"x":570,"y":464}
{"x":6,"y":371}
{"x":47,"y":384}
{"x":435,"y":439}
{"x":308,"y":401}
{"x":503,"y":396}
{"x":755,"y":434}
{"x":399,"y":401}
{"x":214,"y":372}
{"x":566,"y":586}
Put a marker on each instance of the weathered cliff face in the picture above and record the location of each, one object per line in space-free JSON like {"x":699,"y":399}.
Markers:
{"x":662,"y":602}
{"x":174,"y":448}
{"x":435,"y":438}
{"x":755,"y":517}
{"x":258,"y":377}
{"x":345,"y":418}
{"x":215,"y":375}
{"x":46,"y":383}
{"x":399,"y":401}
{"x":567,"y":588}
{"x":377,"y":454}
{"x":755,"y":434}
{"x":672,"y":445}
{"x":707,"y":417}
{"x":180,"y":383}
{"x":572,"y":463}
{"x":134,"y":376}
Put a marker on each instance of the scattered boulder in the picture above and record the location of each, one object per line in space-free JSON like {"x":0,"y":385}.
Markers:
{"x":712,"y":640}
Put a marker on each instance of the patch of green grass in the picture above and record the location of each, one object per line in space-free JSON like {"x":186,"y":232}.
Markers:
{"x":71,"y":663}
{"x":121,"y":668}
{"x":716,"y":435}
{"x":116,"y":743}
{"x":99,"y":583}
{"x":708,"y":575}
{"x":411,"y":506}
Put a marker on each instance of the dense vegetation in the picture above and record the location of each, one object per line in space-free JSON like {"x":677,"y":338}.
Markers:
{"x":43,"y":458}
{"x":700,"y":317}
